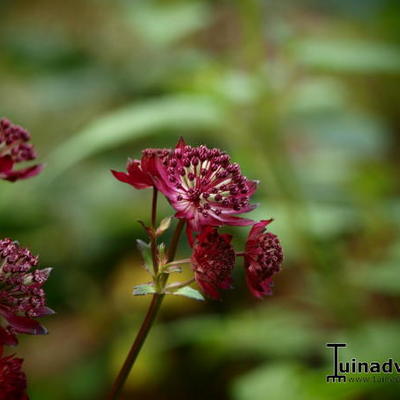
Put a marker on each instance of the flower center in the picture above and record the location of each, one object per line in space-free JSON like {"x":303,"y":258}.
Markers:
{"x":13,"y":140}
{"x":270,"y":256}
{"x":20,"y":289}
{"x":207,"y":179}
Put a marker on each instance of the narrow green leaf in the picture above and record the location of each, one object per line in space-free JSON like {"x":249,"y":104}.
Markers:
{"x":145,"y":251}
{"x":348,"y":55}
{"x":180,"y":112}
{"x":172,"y":268}
{"x":188,"y":291}
{"x":164,"y":225}
{"x":162,"y":253}
{"x":145,"y":288}
{"x":163,"y":26}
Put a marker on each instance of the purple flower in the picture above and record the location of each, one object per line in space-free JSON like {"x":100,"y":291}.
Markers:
{"x":263,"y":259}
{"x":22,"y":297}
{"x":12,"y":378}
{"x":203,"y":186}
{"x":213,"y":259}
{"x":14,"y":149}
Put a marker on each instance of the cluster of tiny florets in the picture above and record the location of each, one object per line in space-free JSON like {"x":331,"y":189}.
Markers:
{"x":207,"y":178}
{"x":270,"y":254}
{"x":20,"y":288}
{"x":213,"y":260}
{"x":162,"y":153}
{"x":13,"y":142}
{"x":12,"y":379}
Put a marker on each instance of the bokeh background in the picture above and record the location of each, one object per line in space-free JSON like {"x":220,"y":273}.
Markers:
{"x":303,"y":94}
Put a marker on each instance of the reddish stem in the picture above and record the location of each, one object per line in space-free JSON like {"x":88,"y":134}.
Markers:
{"x":147,"y":322}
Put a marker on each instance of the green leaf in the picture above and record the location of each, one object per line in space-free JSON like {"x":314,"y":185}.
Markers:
{"x":164,"y":225}
{"x":188,"y":291}
{"x":145,"y":251}
{"x":162,"y":253}
{"x":289,"y":380}
{"x":145,"y":288}
{"x":172,"y":268}
{"x":180,"y":112}
{"x":382,"y":277}
{"x":163,"y":26}
{"x":348,"y":55}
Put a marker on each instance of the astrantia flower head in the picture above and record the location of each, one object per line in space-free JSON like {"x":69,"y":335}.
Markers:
{"x":22,"y":297}
{"x":263,"y":259}
{"x":12,"y":379}
{"x":204,"y":186}
{"x":15,"y":149}
{"x":207,"y":191}
{"x":213,"y":259}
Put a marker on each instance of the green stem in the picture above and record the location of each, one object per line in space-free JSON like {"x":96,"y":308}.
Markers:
{"x":147,"y":322}
{"x":179,"y":285}
{"x":178,"y":262}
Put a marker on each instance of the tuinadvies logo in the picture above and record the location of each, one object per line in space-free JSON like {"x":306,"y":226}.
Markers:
{"x":340,"y":368}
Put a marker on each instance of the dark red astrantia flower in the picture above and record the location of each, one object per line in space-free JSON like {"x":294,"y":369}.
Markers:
{"x":263,"y":259}
{"x":14,"y":149}
{"x":12,"y":378}
{"x":22,"y":297}
{"x":213,"y":259}
{"x":140,"y":172}
{"x":204,"y":186}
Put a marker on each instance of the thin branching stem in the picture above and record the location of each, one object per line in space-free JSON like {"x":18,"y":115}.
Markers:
{"x":175,"y":240}
{"x":147,"y":322}
{"x":179,"y":285}
{"x":136,"y":346}
{"x":178,"y":262}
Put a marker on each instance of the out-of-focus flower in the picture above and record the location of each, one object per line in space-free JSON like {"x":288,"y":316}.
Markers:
{"x":263,"y":258}
{"x":213,"y":259}
{"x":204,"y":186}
{"x":15,"y":149}
{"x":22,"y":297}
{"x":140,"y":172}
{"x":12,"y":378}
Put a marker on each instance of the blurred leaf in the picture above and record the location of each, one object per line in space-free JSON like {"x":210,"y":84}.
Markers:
{"x":380,"y":276}
{"x":282,"y":381}
{"x":188,"y":291}
{"x":145,"y":288}
{"x":348,"y":55}
{"x":317,"y":94}
{"x":383,"y":278}
{"x":164,"y":225}
{"x":145,"y":251}
{"x":168,"y":23}
{"x":351,"y":134}
{"x":330,"y":219}
{"x":176,"y":111}
{"x":372,"y":341}
{"x":264,"y":331}
{"x":272,"y":382}
{"x":237,"y":87}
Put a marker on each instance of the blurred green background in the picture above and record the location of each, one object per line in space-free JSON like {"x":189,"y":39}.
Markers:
{"x":303,"y":94}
